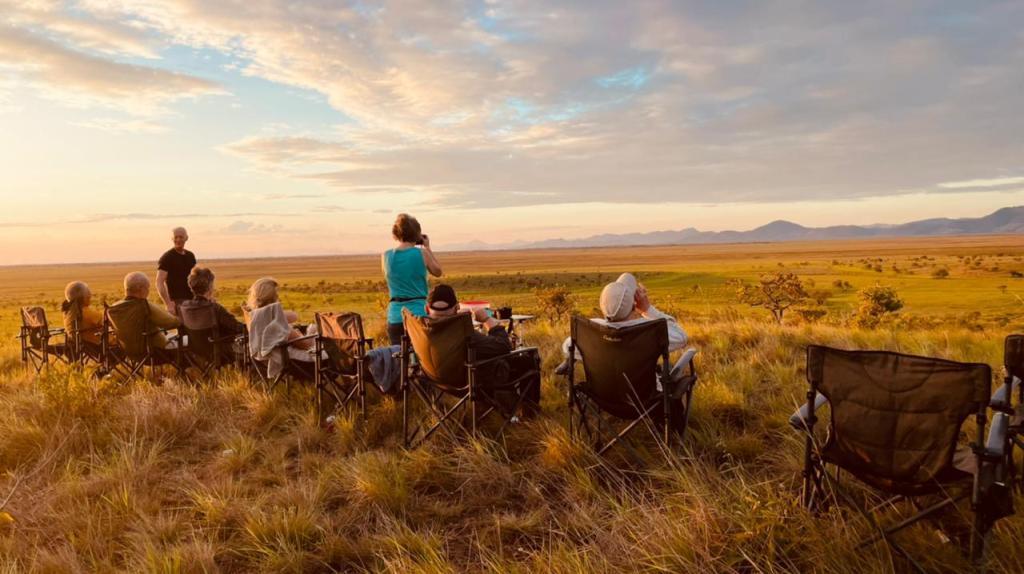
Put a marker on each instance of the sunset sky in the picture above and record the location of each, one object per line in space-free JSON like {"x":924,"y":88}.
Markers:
{"x":270,"y":127}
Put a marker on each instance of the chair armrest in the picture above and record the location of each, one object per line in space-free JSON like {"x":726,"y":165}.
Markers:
{"x":686,"y":360}
{"x":293,"y":341}
{"x":995,"y":444}
{"x":999,"y":399}
{"x":520,"y":351}
{"x":58,"y":331}
{"x":798,"y":420}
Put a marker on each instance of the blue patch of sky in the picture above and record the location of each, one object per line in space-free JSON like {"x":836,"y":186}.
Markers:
{"x":484,"y":15}
{"x":629,"y":78}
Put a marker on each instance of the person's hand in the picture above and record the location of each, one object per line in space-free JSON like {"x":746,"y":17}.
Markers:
{"x":172,"y":308}
{"x":426,"y":240}
{"x":480,"y":314}
{"x":643,"y":303}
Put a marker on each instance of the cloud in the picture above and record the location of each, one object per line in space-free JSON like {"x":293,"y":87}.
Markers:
{"x":520,"y":103}
{"x":251,"y":228}
{"x":83,"y":80}
{"x":107,"y":217}
{"x":982,"y":183}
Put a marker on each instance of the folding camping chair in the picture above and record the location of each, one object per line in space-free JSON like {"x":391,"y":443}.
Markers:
{"x":203,"y":348}
{"x":129,"y":321}
{"x":260,"y":370}
{"x":623,"y":379}
{"x":439,"y":363}
{"x":344,"y":373}
{"x":36,"y":335}
{"x":1010,"y":416}
{"x":79,"y":350}
{"x":895,"y":420}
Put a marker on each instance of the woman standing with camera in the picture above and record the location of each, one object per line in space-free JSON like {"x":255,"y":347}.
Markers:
{"x":405,"y":268}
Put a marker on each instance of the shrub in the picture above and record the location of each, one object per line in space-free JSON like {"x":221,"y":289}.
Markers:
{"x":876,"y":303}
{"x":555,"y":302}
{"x":776,"y":292}
{"x":940,"y":273}
{"x":1016,"y":274}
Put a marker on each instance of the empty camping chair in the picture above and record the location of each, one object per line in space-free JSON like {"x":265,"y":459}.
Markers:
{"x":204,"y":348}
{"x":894,"y":425}
{"x":136,"y":336}
{"x":342,"y":360}
{"x":38,"y":341}
{"x":439,"y":365}
{"x":627,"y":375}
{"x":272,"y":356}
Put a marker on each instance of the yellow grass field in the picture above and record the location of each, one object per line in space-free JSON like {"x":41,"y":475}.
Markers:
{"x":161,"y":476}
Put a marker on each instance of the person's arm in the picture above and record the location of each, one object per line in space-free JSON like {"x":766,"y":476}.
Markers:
{"x":676,"y":336}
{"x":161,"y":287}
{"x":433,"y":265}
{"x":384,"y":264}
{"x":162,"y":319}
{"x":227,"y":322}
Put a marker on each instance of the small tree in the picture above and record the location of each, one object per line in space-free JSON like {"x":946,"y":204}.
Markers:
{"x":555,"y":302}
{"x":940,"y":273}
{"x":877,"y":303}
{"x":776,"y":292}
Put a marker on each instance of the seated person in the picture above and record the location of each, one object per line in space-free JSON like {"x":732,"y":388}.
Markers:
{"x":200,"y":281}
{"x":263,"y":293}
{"x":442,"y":302}
{"x":625,"y":303}
{"x":131,"y":319}
{"x":77,"y":308}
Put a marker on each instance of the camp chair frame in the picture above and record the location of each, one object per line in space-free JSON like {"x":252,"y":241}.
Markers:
{"x":35,"y":335}
{"x":257,"y":370}
{"x":331,"y":377}
{"x":117,"y":360}
{"x":814,"y":494}
{"x":204,"y":333}
{"x":471,"y":396}
{"x":78,"y":350}
{"x":586,"y":417}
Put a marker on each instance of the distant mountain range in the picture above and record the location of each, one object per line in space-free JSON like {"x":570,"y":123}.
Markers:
{"x":1006,"y":220}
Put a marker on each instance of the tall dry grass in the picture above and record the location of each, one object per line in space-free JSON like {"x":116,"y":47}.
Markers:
{"x":99,"y":477}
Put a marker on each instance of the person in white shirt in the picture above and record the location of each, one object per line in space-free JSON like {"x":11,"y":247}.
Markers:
{"x":625,"y":303}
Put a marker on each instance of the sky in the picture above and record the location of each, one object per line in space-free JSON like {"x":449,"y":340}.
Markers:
{"x":270,"y":127}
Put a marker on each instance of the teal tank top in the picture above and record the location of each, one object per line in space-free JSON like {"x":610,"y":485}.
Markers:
{"x":407,"y":282}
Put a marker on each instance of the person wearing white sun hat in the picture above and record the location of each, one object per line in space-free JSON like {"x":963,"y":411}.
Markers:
{"x":625,"y":303}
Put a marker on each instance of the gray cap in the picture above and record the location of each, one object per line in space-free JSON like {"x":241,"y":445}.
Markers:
{"x":617,"y":299}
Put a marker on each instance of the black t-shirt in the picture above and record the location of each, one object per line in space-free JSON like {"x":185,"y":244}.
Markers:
{"x":178,"y":266}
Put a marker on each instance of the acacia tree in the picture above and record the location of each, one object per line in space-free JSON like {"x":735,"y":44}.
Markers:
{"x":776,"y":292}
{"x":877,"y":303}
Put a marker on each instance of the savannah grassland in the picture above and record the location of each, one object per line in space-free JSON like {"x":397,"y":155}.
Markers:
{"x":144,"y":477}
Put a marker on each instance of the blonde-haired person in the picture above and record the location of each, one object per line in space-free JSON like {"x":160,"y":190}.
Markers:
{"x":263,"y":292}
{"x":406,"y":267}
{"x":79,"y":313}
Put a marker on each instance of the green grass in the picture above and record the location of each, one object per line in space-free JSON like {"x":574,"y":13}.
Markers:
{"x":170,"y":478}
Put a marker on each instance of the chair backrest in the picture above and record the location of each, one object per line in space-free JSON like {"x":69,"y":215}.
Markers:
{"x":895,"y":418}
{"x":618,"y":361}
{"x":199,"y":321}
{"x":441,"y":346}
{"x":130,"y":319}
{"x":1013,"y":356}
{"x":33,"y":320}
{"x":343,"y":338}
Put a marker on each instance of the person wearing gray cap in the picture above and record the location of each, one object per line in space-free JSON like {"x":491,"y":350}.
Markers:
{"x":625,"y":303}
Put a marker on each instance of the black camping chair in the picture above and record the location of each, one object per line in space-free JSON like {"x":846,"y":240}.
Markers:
{"x":623,"y":379}
{"x":37,"y":348}
{"x":128,"y":320}
{"x":439,"y":364}
{"x":204,"y":348}
{"x":894,"y":425}
{"x":1008,"y":415}
{"x":343,"y":374}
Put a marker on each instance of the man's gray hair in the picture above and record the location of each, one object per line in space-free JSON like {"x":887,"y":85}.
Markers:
{"x":135,"y":282}
{"x":75,"y":291}
{"x":181,"y":229}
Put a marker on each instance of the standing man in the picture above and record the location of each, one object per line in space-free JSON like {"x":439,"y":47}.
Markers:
{"x":173,"y":270}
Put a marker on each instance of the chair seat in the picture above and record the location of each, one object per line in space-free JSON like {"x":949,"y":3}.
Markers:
{"x":961,"y":469}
